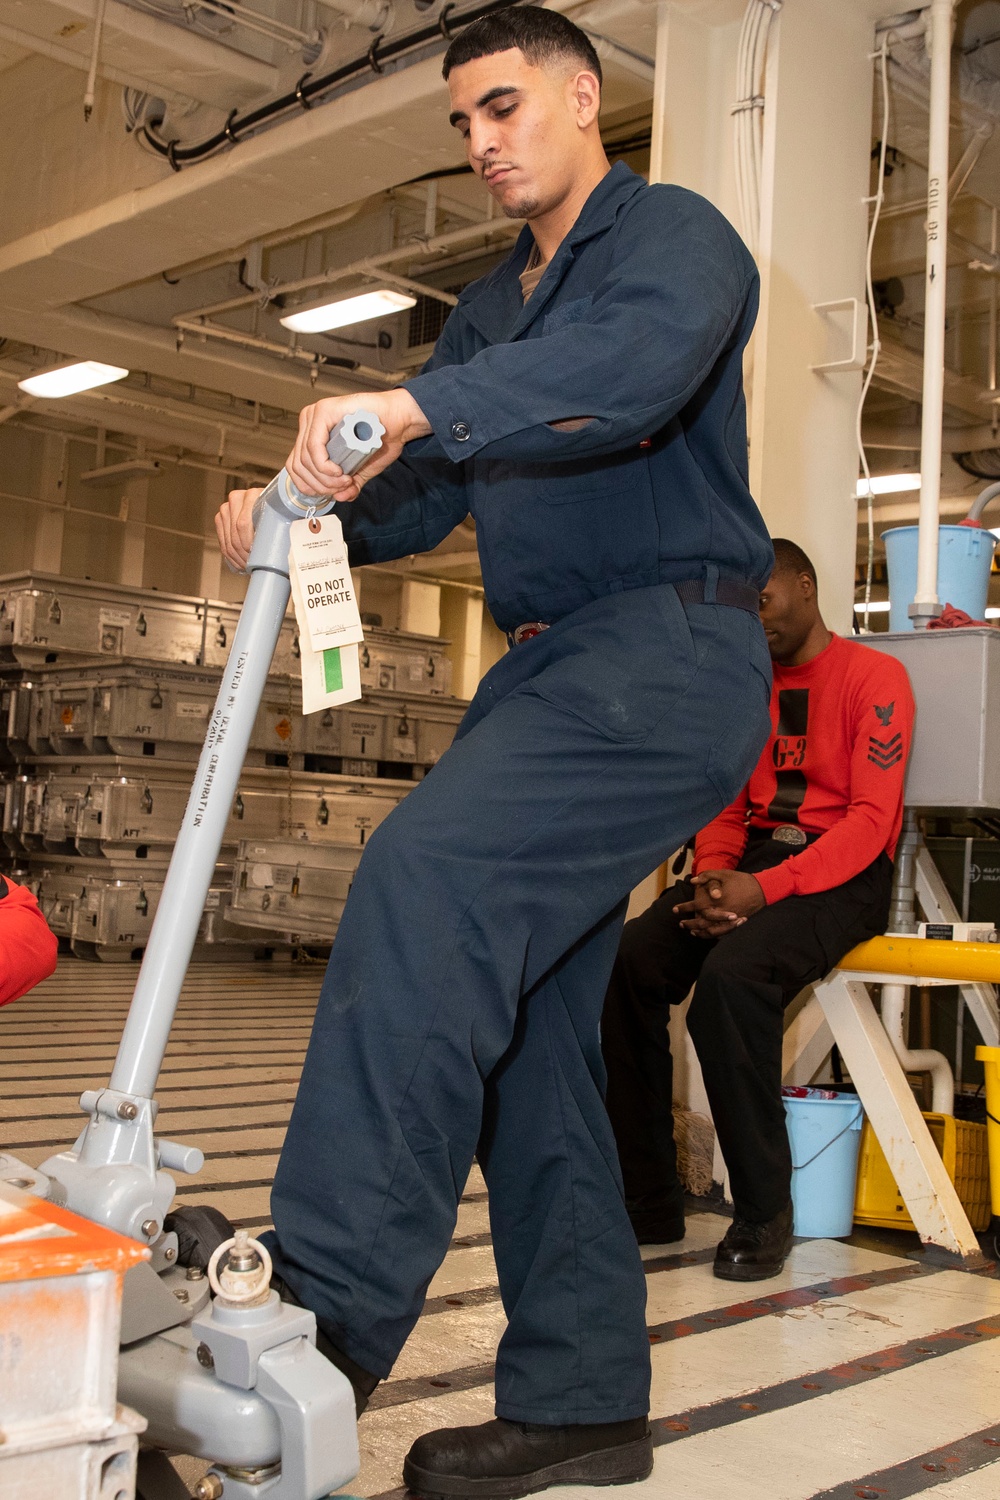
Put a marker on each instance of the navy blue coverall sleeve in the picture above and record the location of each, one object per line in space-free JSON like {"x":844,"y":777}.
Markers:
{"x":630,"y":356}
{"x":412,"y":505}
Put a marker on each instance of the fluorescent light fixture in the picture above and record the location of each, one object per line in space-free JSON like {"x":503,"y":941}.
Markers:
{"x":888,"y":484}
{"x":348,"y":311}
{"x":68,"y":380}
{"x":876,"y":607}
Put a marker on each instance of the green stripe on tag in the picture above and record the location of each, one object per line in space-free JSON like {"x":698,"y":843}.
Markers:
{"x":333,"y":672}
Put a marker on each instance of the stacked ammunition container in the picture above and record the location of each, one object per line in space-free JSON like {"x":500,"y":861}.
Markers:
{"x":105,"y":696}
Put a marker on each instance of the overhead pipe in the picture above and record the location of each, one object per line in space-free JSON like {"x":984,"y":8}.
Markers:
{"x":926,"y":605}
{"x":369,"y":265}
{"x":205,"y":329}
{"x":310,"y":90}
{"x":635,"y":63}
{"x":372,"y":14}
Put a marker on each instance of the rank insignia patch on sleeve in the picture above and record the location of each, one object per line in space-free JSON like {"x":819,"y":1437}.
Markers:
{"x":885,"y":753}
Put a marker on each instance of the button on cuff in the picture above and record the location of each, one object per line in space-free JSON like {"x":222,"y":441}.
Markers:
{"x":461,"y":432}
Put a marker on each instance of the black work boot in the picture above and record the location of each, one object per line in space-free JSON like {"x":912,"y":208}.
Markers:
{"x":657,"y":1218}
{"x":755,"y":1252}
{"x":363,"y":1381}
{"x":502,"y":1460}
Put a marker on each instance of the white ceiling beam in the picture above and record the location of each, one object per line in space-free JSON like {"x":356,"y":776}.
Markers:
{"x":176,"y":58}
{"x":321,"y":160}
{"x":78,"y":60}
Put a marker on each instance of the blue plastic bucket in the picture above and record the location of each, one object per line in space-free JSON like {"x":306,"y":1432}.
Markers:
{"x":965,"y":555}
{"x":825,"y":1138}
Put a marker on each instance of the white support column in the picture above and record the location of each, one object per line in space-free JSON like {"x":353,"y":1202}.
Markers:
{"x":462,"y":624}
{"x":209,"y":586}
{"x":926,"y":1188}
{"x":817,"y":143}
{"x":134,"y":503}
{"x":420,"y":607}
{"x":694,"y":88}
{"x":50,"y":524}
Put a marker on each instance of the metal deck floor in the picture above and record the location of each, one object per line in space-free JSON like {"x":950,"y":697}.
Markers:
{"x":856,"y":1375}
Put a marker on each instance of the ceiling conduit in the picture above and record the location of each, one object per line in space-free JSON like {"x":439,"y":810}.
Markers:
{"x":309,"y":90}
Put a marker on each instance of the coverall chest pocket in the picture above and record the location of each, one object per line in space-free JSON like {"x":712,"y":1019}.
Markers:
{"x":573,"y":311}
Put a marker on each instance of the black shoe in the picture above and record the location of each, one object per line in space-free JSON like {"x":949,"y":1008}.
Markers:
{"x":363,"y":1381}
{"x":755,"y":1252}
{"x":501,"y":1460}
{"x":657,"y":1218}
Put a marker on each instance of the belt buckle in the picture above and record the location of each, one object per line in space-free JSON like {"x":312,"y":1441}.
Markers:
{"x":527,"y":631}
{"x":789,"y":833}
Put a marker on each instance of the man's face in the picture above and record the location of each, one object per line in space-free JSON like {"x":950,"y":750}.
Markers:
{"x":788,"y":611}
{"x":523,"y":127}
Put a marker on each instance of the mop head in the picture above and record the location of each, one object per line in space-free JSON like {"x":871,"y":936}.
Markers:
{"x":695,"y":1138}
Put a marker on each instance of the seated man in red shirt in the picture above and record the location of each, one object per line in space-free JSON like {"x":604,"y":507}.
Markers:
{"x":787,"y":880}
{"x":28,"y":947}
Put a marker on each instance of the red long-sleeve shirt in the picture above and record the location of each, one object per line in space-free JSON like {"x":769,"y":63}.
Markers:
{"x":840,"y":734}
{"x":28,"y":946}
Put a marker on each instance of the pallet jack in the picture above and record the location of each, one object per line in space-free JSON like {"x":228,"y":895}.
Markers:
{"x":218,"y":1365}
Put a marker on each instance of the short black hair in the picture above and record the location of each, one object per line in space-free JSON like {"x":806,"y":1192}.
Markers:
{"x":790,"y":558}
{"x":541,"y":35}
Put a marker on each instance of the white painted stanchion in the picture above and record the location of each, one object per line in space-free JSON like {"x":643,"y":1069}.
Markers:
{"x":926,"y":1188}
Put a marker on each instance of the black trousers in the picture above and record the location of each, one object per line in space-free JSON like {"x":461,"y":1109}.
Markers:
{"x":743,"y":982}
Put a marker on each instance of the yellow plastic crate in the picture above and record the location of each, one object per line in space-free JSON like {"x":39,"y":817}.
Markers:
{"x":962,"y":1145}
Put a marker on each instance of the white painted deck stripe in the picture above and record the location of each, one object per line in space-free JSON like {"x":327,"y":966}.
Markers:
{"x":796,"y":1453}
{"x":729,"y":1361}
{"x":983,"y":1485}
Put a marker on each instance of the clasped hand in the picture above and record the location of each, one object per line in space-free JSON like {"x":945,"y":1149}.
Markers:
{"x":723,"y":900}
{"x":309,"y":465}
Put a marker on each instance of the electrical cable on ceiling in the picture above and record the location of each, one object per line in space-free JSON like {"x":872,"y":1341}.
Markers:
{"x":309,"y":90}
{"x":876,"y":344}
{"x":748,"y":114}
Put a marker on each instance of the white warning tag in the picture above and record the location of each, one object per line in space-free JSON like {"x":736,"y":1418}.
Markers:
{"x":331,"y":673}
{"x":318,"y":558}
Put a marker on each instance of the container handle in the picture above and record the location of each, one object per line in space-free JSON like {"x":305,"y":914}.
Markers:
{"x":849,"y":1126}
{"x":981,"y":501}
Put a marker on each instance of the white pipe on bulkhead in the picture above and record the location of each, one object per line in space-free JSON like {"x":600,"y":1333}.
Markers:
{"x":919,"y":1060}
{"x":926,"y":604}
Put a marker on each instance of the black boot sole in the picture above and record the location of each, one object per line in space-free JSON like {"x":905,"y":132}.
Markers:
{"x":626,"y":1464}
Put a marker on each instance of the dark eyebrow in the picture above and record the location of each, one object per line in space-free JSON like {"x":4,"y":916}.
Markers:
{"x":500,"y":92}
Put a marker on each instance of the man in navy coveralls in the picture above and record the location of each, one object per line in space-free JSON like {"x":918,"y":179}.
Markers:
{"x":585,"y":404}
